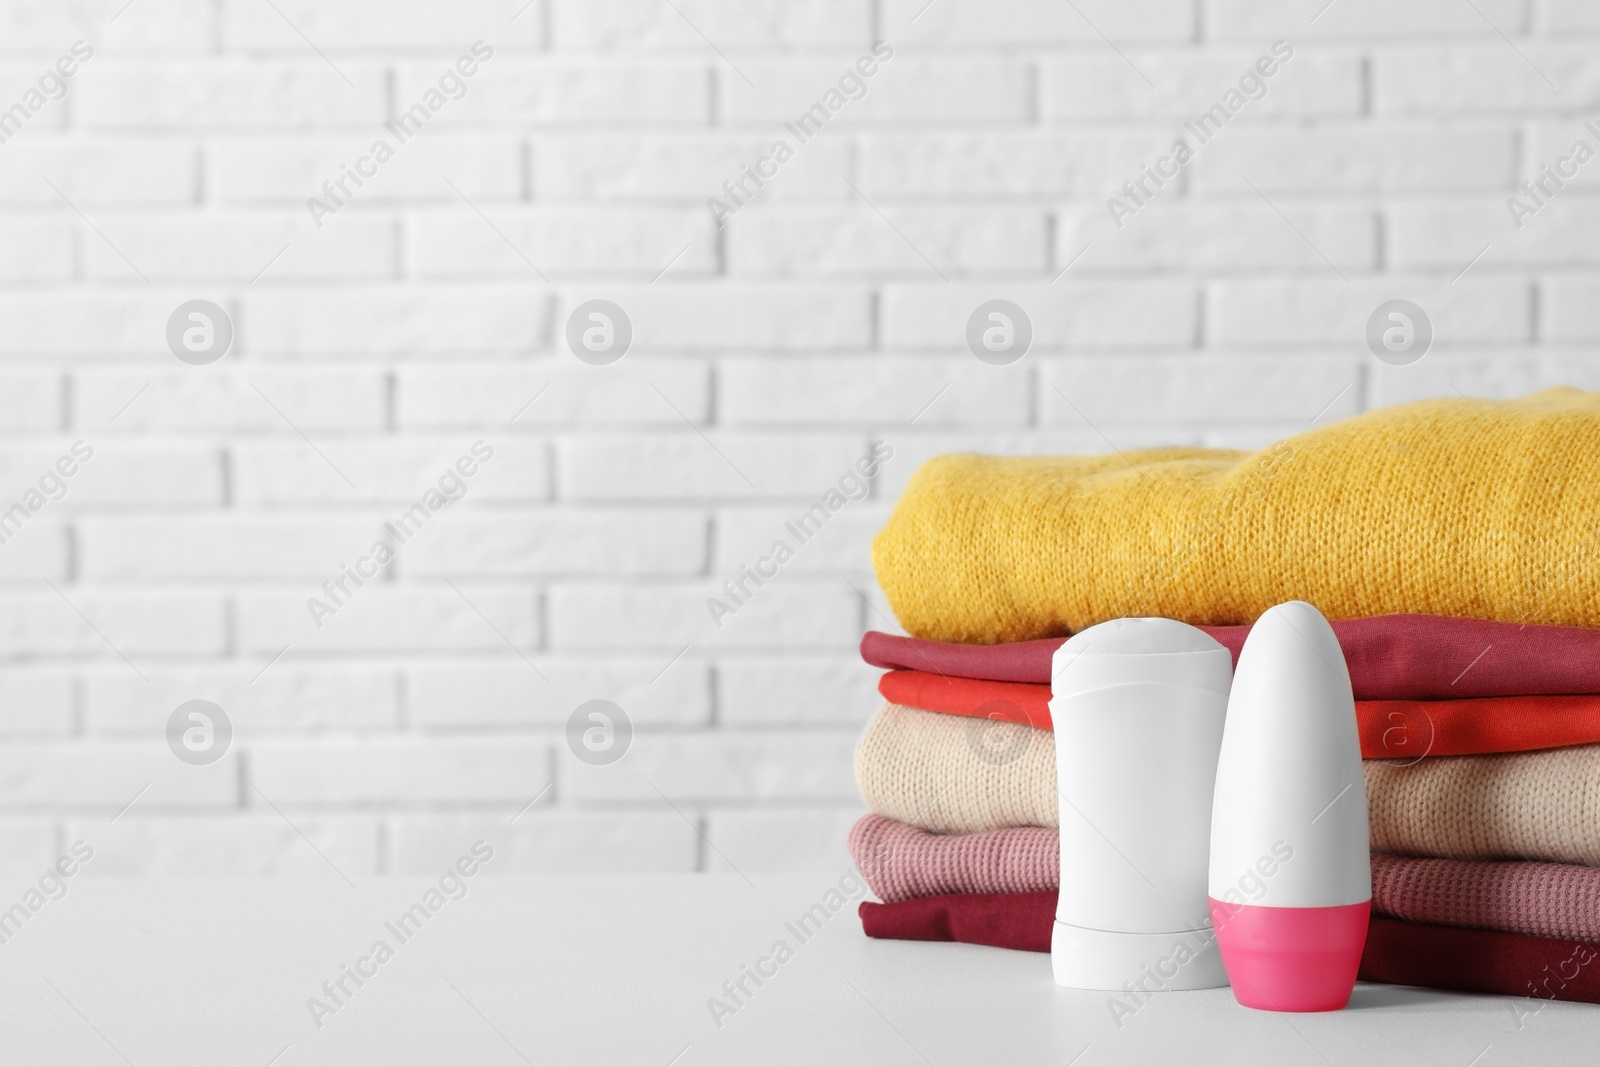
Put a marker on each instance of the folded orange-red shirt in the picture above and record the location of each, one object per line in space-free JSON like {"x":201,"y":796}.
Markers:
{"x":1390,"y":729}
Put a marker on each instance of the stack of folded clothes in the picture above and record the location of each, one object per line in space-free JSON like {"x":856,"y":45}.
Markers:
{"x":1456,"y":546}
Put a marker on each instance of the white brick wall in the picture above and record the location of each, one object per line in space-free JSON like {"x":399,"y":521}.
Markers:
{"x":430,"y":312}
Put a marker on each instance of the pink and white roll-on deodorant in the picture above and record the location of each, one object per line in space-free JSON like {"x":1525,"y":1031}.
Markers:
{"x":1138,"y":707}
{"x":1291,"y":880}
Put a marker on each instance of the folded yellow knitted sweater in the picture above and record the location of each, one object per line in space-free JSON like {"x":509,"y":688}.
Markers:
{"x":957,"y":775}
{"x":1477,"y":508}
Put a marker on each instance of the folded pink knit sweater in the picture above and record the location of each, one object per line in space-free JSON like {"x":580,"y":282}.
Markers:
{"x":901,"y":862}
{"x":1542,"y":899}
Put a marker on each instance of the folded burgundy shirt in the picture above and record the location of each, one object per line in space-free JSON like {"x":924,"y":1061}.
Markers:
{"x":1004,"y":920}
{"x":1391,"y":657}
{"x":1397,"y":952}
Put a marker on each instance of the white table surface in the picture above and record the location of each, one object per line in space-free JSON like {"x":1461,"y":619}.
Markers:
{"x":617,"y":970}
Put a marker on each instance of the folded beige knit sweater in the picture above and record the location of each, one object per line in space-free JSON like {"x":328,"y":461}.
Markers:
{"x":955,"y":775}
{"x":1520,"y":806}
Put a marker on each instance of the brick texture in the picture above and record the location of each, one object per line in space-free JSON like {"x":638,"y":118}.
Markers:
{"x":554,"y":532}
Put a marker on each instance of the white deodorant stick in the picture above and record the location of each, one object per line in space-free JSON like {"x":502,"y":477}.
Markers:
{"x":1138,"y":707}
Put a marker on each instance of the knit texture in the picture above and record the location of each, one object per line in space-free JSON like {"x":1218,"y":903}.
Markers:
{"x":1528,"y":805}
{"x":1542,"y":899}
{"x":900,"y":861}
{"x":956,"y":775}
{"x":1464,"y":507}
{"x":1389,"y":729}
